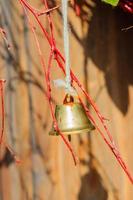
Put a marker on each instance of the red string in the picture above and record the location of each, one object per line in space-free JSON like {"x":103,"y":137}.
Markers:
{"x":111,"y":144}
{"x":59,"y":59}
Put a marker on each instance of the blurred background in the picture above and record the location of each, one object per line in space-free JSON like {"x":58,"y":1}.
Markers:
{"x":101,"y":57}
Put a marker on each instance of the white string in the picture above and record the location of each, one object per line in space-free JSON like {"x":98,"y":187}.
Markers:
{"x":59,"y":83}
{"x":66,"y":42}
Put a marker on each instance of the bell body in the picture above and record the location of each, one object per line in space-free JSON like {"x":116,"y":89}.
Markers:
{"x":71,"y":119}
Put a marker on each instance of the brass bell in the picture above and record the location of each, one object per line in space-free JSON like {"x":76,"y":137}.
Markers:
{"x":71,"y":118}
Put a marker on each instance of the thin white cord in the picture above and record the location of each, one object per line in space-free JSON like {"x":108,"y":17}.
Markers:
{"x":59,"y":83}
{"x":66,"y":42}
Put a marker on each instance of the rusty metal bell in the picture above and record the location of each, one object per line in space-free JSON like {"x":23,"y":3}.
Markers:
{"x":71,"y":118}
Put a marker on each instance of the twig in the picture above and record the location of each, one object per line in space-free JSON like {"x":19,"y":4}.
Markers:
{"x":59,"y":59}
{"x":47,"y":78}
{"x":126,"y":29}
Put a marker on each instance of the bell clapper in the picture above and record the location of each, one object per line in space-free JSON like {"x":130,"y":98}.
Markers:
{"x":69,"y":138}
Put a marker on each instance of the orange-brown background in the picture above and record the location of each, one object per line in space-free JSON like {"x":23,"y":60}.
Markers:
{"x":102,"y":58}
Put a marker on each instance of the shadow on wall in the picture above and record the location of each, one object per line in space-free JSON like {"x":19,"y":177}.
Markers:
{"x":111,"y":49}
{"x":92,"y":188}
{"x":7,"y":159}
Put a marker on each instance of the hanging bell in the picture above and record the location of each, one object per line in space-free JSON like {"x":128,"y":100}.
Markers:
{"x":71,"y":118}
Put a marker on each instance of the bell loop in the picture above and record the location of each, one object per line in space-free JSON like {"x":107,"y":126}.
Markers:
{"x":68,"y":99}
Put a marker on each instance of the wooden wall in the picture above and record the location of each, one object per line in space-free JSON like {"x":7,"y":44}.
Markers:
{"x":101,"y":57}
